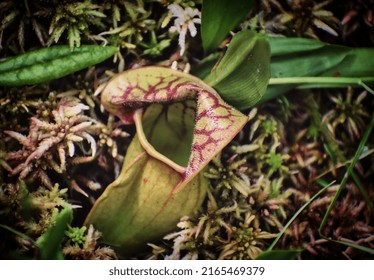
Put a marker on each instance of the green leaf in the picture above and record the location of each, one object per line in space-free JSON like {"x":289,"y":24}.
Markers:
{"x":280,"y":254}
{"x":50,"y":63}
{"x":305,"y":63}
{"x":49,"y":243}
{"x":358,"y":62}
{"x":299,"y":62}
{"x":285,"y":46}
{"x":242,"y":75}
{"x":219,"y":17}
{"x":299,"y":57}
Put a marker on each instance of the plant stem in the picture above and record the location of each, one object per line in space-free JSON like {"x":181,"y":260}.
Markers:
{"x":333,"y":81}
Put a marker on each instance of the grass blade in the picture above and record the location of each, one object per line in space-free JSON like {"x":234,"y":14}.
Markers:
{"x":342,"y":184}
{"x":297,"y":214}
{"x":16,"y":232}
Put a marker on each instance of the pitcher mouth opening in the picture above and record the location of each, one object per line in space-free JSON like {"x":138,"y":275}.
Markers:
{"x":166,"y":132}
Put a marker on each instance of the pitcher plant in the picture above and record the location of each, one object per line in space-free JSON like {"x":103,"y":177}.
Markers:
{"x":181,"y":124}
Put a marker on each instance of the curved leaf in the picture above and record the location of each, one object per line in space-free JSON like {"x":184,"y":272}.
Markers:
{"x":241,"y":77}
{"x":50,"y":63}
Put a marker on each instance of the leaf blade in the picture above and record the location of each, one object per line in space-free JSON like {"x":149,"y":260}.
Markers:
{"x":290,"y":254}
{"x":296,"y":58}
{"x":219,"y":18}
{"x":50,"y":63}
{"x":242,"y":75}
{"x":49,"y":243}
